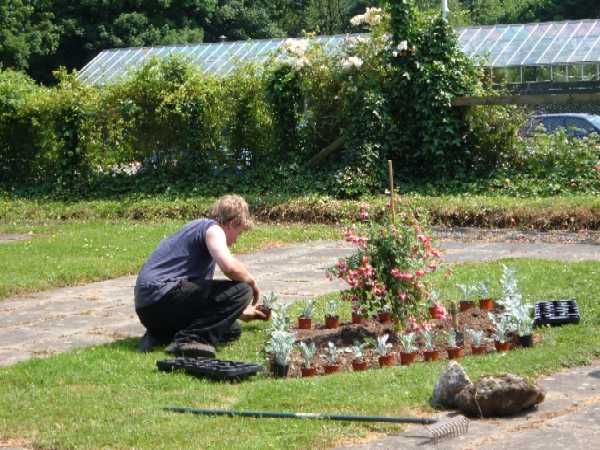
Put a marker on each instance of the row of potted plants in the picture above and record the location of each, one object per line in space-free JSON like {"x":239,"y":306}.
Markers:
{"x":475,"y":293}
{"x":332,"y":319}
{"x":282,"y":345}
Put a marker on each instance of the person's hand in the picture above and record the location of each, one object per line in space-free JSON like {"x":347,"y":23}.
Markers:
{"x":255,"y":293}
{"x":252,"y":313}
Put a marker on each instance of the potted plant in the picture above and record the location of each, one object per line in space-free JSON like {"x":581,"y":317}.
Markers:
{"x":524,"y":323}
{"x":430,"y":353}
{"x":485,"y":300}
{"x":454,"y":351}
{"x":332,"y":320}
{"x":305,"y":318}
{"x":410,"y":351}
{"x":359,"y":363}
{"x":384,"y":315}
{"x":266,"y":306}
{"x":503,"y":327}
{"x":432,"y":301}
{"x":281,"y":320}
{"x":308,"y":353}
{"x":478,"y":345}
{"x":332,"y":354}
{"x":358,"y":316}
{"x":386,"y":358}
{"x":280,"y":347}
{"x":467,"y":291}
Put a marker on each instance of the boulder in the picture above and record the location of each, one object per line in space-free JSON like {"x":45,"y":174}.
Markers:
{"x":498,"y":396}
{"x":450,"y":383}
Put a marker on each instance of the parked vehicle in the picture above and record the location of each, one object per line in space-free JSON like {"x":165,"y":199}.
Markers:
{"x":575,"y":124}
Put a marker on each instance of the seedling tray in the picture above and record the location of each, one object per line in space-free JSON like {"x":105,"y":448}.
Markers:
{"x":556,"y":312}
{"x":215,"y":369}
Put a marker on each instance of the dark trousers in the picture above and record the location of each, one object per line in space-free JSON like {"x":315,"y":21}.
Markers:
{"x":205,"y":311}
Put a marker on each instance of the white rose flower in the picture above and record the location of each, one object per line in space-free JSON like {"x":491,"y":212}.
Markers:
{"x":402,"y":46}
{"x":357,"y":20}
{"x":296,"y":47}
{"x":299,"y":63}
{"x":352,"y":61}
{"x":372,"y":16}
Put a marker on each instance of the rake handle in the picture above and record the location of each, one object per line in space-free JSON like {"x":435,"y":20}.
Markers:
{"x":280,"y":415}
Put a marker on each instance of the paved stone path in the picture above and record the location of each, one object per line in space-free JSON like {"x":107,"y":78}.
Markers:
{"x":59,"y":320}
{"x":568,"y":419}
{"x":63,"y":319}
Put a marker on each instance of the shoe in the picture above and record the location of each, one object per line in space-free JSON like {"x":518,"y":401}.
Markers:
{"x":148,"y":342}
{"x":233,"y":334}
{"x":191,"y":349}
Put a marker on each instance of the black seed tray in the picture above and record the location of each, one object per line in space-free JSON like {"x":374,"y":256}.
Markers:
{"x":557,"y":312}
{"x":216,"y":369}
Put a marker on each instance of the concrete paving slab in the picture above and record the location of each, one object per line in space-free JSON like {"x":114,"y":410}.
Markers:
{"x":569,"y":419}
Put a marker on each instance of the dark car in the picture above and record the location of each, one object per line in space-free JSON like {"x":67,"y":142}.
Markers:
{"x":575,"y":124}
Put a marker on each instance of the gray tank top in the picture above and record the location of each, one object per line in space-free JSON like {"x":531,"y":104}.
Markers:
{"x":182,"y":256}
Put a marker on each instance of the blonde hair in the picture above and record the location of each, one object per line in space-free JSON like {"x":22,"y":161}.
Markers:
{"x":232,"y":207}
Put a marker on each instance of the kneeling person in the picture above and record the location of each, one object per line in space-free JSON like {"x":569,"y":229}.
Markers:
{"x":177,"y":299}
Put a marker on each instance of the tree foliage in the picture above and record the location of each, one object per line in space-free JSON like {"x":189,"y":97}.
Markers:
{"x":41,"y":35}
{"x":25,"y":33}
{"x":525,"y":11}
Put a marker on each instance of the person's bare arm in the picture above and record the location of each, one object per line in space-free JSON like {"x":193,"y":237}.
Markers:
{"x":231,"y":266}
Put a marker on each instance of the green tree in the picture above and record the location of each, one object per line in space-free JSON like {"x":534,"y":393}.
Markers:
{"x":524,"y":11}
{"x":24,"y":32}
{"x":89,"y":26}
{"x":239,"y":20}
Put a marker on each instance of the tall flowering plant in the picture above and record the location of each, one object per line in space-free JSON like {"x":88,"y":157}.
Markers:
{"x":390,"y":268}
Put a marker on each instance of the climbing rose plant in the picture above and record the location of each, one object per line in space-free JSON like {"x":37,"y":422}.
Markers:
{"x":390,"y":269}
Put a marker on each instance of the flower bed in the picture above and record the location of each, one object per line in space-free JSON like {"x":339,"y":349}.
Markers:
{"x":347,"y":334}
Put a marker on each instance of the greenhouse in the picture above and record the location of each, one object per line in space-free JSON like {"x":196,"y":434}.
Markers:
{"x":518,"y":53}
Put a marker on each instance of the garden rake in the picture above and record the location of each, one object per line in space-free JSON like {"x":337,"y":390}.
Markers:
{"x":438,"y":429}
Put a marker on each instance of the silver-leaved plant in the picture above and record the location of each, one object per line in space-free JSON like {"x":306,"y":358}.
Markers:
{"x":477,"y":337}
{"x":383,"y":347}
{"x":269,"y":300}
{"x":280,"y":345}
{"x":332,"y":353}
{"x":307,"y":309}
{"x":331,"y":308}
{"x":428,"y":339}
{"x":308,"y":352}
{"x":408,"y":342}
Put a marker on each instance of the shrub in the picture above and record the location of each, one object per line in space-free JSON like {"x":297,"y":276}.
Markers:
{"x":390,"y":268}
{"x":22,"y":126}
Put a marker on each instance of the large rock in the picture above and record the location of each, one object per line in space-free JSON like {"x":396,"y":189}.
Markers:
{"x":450,"y":383}
{"x":497,"y":396}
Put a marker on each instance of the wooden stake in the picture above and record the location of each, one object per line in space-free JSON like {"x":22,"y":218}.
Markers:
{"x":391,"y":177}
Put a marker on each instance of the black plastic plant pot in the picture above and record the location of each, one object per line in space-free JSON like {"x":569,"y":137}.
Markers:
{"x":526,"y":341}
{"x":280,"y":371}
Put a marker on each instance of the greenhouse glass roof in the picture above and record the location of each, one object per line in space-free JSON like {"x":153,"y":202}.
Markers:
{"x":549,"y":43}
{"x":533,"y":44}
{"x":219,"y":58}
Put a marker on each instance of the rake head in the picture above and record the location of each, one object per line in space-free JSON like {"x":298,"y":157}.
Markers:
{"x":448,"y":428}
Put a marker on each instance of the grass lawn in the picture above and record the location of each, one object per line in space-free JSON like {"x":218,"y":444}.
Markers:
{"x":61,"y":254}
{"x":111,"y":397}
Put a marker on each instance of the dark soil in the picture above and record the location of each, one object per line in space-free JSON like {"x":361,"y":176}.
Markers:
{"x":344,"y":337}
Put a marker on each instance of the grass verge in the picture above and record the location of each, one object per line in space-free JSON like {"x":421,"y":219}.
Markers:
{"x":62,"y":254}
{"x":111,"y":397}
{"x":541,"y":213}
